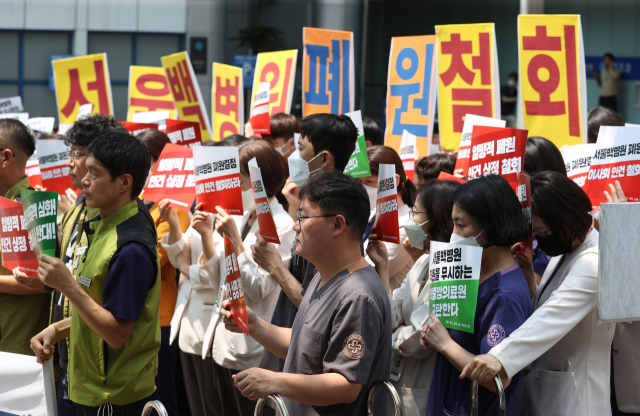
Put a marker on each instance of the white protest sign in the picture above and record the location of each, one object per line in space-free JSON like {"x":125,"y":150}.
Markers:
{"x":408,"y":153}
{"x":26,"y":387}
{"x":386,"y":223}
{"x":11,"y":105}
{"x":464,"y":152}
{"x":43,"y":124}
{"x":152,"y":117}
{"x":296,"y":137}
{"x":577,"y":159}
{"x":84,"y":111}
{"x":217,"y":175}
{"x":22,"y":117}
{"x":259,"y":120}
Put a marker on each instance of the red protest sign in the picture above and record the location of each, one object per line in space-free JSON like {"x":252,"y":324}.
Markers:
{"x":136,"y":128}
{"x":497,"y":151}
{"x":522,"y":188}
{"x":185,"y":133}
{"x":32,"y":170}
{"x":577,"y":159}
{"x":17,"y":249}
{"x":260,"y":122}
{"x":444,"y":176}
{"x":217,"y":175}
{"x":386,"y":223}
{"x":408,"y":152}
{"x":464,"y":152}
{"x":234,"y":289}
{"x":265,"y":217}
{"x":52,"y":157}
{"x":172,"y":178}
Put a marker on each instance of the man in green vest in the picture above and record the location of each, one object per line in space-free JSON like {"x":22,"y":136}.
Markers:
{"x":114,"y":328}
{"x":23,"y":312}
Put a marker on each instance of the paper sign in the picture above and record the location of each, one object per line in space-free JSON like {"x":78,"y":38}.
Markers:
{"x":11,"y":105}
{"x":279,"y":70}
{"x":468,"y":77}
{"x":444,"y":176}
{"x":52,"y":157}
{"x":235,"y":291}
{"x":358,"y":165}
{"x":152,"y":117}
{"x":26,"y":387}
{"x":22,"y":117}
{"x":172,"y":178}
{"x":227,"y":101}
{"x":522,"y":188}
{"x":260,"y":113}
{"x":32,"y":170}
{"x":497,"y":151}
{"x":411,"y":91}
{"x":296,"y":137}
{"x":149,"y":92}
{"x":84,"y":111}
{"x":454,"y":277}
{"x":408,"y":154}
{"x":185,"y":91}
{"x":617,"y":157}
{"x":577,"y":159}
{"x":82,"y":80}
{"x":184,"y":133}
{"x":464,"y":152}
{"x":17,"y":248}
{"x":40,"y":214}
{"x":552,"y":97}
{"x":217,"y":174}
{"x":43,"y":124}
{"x":328,"y":81}
{"x":386,"y":222}
{"x":265,"y":216}
{"x":137,"y":128}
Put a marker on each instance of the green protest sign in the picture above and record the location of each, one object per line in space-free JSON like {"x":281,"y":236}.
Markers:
{"x":40,"y":213}
{"x":454,"y":277}
{"x":358,"y":165}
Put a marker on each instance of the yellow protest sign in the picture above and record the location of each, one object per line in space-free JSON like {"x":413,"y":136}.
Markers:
{"x":468,"y":81}
{"x":149,"y":91}
{"x":185,"y":91}
{"x":82,"y":80}
{"x":553,"y":94}
{"x":279,"y":69}
{"x":227,"y":104}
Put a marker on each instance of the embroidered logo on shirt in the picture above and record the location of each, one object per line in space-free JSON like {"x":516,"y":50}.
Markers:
{"x":353,"y":347}
{"x":495,"y":335}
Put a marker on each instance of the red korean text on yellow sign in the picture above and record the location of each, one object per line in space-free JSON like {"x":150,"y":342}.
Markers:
{"x":185,"y":91}
{"x":227,"y":106}
{"x":327,"y":72}
{"x":279,"y":69}
{"x":411,"y":91}
{"x":467,"y":77}
{"x":149,"y":91}
{"x":552,"y":77}
{"x":82,"y":80}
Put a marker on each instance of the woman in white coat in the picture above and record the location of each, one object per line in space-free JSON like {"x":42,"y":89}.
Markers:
{"x":567,"y":349}
{"x":232,"y":352}
{"x":412,"y":366}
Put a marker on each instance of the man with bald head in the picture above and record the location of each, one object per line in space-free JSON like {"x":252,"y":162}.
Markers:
{"x":23,"y":312}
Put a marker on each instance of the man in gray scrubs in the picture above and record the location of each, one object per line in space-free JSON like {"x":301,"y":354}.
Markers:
{"x":340,"y":342}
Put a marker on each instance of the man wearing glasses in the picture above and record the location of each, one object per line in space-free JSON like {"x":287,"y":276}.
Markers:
{"x":340,"y":341}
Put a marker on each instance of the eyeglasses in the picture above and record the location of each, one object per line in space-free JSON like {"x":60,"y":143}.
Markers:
{"x":413,"y":211}
{"x":300,"y":217}
{"x":74,"y":155}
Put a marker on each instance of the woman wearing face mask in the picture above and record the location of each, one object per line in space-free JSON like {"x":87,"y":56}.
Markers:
{"x":232,"y":352}
{"x":486,"y":213}
{"x":567,"y":349}
{"x":400,"y":261}
{"x":412,"y":366}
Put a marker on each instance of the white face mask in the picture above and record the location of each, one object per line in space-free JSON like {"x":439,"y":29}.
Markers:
{"x":415,"y":233}
{"x":373,"y":196}
{"x":248,"y":203}
{"x":468,"y":241}
{"x":511,"y":82}
{"x":279,"y":149}
{"x":299,"y":168}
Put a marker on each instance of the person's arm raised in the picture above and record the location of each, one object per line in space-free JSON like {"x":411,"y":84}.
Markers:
{"x":170,"y":215}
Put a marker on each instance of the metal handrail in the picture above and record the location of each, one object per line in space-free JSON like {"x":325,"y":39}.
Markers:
{"x":277,"y":399}
{"x":502,"y":401}
{"x":397,"y":404}
{"x":155,"y":404}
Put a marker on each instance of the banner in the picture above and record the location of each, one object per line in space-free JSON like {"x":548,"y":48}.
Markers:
{"x":259,"y":120}
{"x":468,"y":77}
{"x":328,"y":81}
{"x":40,"y":214}
{"x":217,"y":174}
{"x":137,"y":128}
{"x":411,"y":90}
{"x":616,"y":157}
{"x":235,"y":291}
{"x":454,"y":276}
{"x":11,"y":105}
{"x":149,"y":91}
{"x":265,"y":217}
{"x":552,"y":99}
{"x":522,"y":188}
{"x":17,"y":248}
{"x":32,"y":170}
{"x":497,"y":151}
{"x":408,"y":154}
{"x":172,"y":178}
{"x":358,"y":165}
{"x":227,"y":101}
{"x":185,"y":92}
{"x":464,"y":151}
{"x":82,"y":80}
{"x":577,"y":159}
{"x":42,"y":124}
{"x":184,"y":133}
{"x":26,"y":387}
{"x":279,"y":70}
{"x":54,"y":172}
{"x":386,"y":223}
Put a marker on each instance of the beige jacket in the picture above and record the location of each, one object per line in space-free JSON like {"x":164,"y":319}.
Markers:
{"x":626,"y":366}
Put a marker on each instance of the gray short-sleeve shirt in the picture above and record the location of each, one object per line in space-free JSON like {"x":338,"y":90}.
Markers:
{"x":343,"y":327}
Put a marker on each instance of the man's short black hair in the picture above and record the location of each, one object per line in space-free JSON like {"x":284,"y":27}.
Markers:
{"x":430,"y":167}
{"x":494,"y":207}
{"x":541,"y":155}
{"x":122,"y":153}
{"x":336,"y":193}
{"x":372,"y":132}
{"x":16,"y":136}
{"x":85,"y":130}
{"x":337,"y":134}
{"x":609,"y":55}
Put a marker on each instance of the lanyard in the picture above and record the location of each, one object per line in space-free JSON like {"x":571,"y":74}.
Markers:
{"x":564,"y":256}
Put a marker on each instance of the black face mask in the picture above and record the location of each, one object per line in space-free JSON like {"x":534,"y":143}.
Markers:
{"x":553,"y":245}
